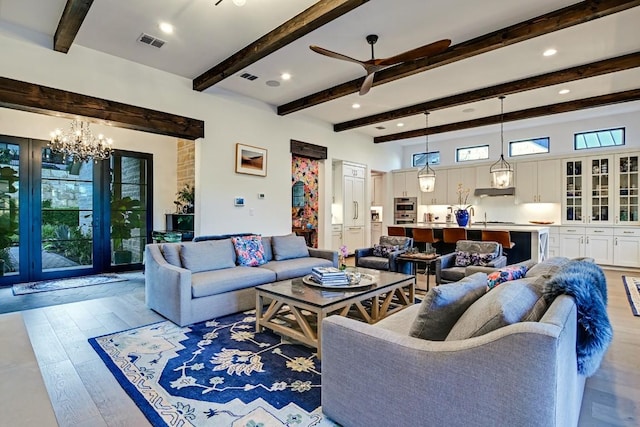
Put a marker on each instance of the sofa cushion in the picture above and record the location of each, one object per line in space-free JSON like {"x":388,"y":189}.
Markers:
{"x":505,"y":274}
{"x":516,"y":301}
{"x":452,"y":274}
{"x":216,"y":282}
{"x":288,"y":247}
{"x":295,"y":267}
{"x":249,"y":250}
{"x":443,"y":306}
{"x":375,"y":262}
{"x":207,"y":255}
{"x":171,"y":253}
{"x":547,"y":267}
{"x":268,"y":252}
{"x":384,"y":250}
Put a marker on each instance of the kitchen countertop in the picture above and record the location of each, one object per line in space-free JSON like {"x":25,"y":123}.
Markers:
{"x":480,"y":226}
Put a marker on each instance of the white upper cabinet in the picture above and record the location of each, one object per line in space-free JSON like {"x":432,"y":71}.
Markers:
{"x":466,"y":177}
{"x":537,"y":182}
{"x":405,"y":184}
{"x":439,"y":195}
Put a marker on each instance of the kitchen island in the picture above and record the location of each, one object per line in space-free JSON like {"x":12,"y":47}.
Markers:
{"x":531,"y":241}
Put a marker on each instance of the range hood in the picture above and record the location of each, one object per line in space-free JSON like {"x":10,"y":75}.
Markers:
{"x":493,"y":192}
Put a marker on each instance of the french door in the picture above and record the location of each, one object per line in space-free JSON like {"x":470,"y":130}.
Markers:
{"x":56,"y":215}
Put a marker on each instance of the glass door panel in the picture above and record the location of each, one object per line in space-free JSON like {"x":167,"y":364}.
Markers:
{"x":628,"y":189}
{"x":129,"y":208}
{"x":67,"y":200}
{"x":600,"y":190}
{"x":573,"y":191}
{"x":9,"y":208}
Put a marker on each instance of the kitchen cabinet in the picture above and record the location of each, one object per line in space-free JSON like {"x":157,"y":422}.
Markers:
{"x":587,"y":183}
{"x":626,"y":189}
{"x":464,"y":176}
{"x":376,"y":232}
{"x":336,"y":237}
{"x":405,"y":184}
{"x":593,"y":242}
{"x":626,"y":247}
{"x":439,"y":195}
{"x":537,"y":182}
{"x":353,"y":238}
{"x":353,"y":201}
{"x":554,"y":242}
{"x":376,"y":190}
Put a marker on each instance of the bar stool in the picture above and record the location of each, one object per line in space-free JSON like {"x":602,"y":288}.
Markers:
{"x":452,"y":235}
{"x":424,"y":235}
{"x":501,"y":236}
{"x":395,"y":231}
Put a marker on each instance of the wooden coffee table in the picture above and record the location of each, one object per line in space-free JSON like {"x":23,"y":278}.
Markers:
{"x":296,"y":309}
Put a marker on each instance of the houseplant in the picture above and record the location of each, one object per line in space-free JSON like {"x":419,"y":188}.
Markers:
{"x":126,"y":215}
{"x":186,"y":199}
{"x":8,"y":216}
{"x":461,"y":210}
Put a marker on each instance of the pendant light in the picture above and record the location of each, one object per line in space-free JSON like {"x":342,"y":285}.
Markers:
{"x":426,"y":175}
{"x":501,"y":171}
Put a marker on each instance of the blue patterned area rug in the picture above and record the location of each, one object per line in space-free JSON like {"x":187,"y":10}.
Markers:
{"x":68,"y":283}
{"x":632,"y":285}
{"x":215,"y":373}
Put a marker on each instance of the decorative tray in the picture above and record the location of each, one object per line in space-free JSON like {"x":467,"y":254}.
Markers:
{"x":365,"y":282}
{"x":541,"y":222}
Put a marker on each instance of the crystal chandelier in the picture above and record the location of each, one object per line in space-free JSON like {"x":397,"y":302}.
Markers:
{"x":501,"y":171}
{"x":79,"y":143}
{"x":427,"y":176}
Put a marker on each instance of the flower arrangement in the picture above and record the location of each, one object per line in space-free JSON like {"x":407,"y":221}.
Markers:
{"x":463,"y":196}
{"x":342,"y":256}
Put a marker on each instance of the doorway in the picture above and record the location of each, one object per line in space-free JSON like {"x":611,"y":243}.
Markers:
{"x":60,"y":218}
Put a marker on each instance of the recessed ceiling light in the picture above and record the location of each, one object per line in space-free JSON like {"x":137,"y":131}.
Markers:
{"x":272,"y":83}
{"x":550,"y":52}
{"x":355,"y":106}
{"x":285,"y":76}
{"x":400,"y":124}
{"x":564,"y":91}
{"x":239,"y":2}
{"x":166,"y":28}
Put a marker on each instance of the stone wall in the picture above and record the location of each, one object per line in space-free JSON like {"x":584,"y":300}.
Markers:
{"x":186,"y":163}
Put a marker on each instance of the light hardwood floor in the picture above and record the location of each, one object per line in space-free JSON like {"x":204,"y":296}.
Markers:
{"x":84,"y":393}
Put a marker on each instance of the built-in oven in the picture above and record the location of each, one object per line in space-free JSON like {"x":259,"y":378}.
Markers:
{"x":405,"y":210}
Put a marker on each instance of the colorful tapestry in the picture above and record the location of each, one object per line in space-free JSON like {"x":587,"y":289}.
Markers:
{"x":306,"y":171}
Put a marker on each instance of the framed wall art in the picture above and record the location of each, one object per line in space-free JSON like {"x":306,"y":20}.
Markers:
{"x":251,"y":160}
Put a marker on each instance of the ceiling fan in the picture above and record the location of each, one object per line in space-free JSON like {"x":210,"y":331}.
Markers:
{"x":373,"y":65}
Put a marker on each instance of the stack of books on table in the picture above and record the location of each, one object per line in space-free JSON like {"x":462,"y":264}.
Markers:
{"x":329,"y":276}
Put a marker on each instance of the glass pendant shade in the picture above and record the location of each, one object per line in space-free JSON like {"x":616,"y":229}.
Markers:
{"x":426,"y":175}
{"x":427,"y":179}
{"x":501,"y":171}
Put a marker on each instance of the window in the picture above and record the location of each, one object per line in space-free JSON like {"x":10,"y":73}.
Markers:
{"x":528,"y":146}
{"x":419,"y":159}
{"x":599,"y":138}
{"x":466,"y":154}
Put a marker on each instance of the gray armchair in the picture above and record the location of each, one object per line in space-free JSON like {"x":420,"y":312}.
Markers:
{"x":366,"y":257}
{"x":447,"y":271}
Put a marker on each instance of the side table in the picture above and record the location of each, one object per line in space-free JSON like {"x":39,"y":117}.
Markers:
{"x":417,"y":258}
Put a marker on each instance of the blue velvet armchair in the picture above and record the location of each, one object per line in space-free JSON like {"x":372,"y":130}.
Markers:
{"x":368,"y":259}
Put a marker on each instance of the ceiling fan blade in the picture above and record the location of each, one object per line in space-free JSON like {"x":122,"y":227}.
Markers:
{"x":419,"y":52}
{"x":366,"y":85}
{"x":336,"y":55}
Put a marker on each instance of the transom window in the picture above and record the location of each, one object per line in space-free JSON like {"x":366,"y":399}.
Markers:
{"x":528,"y":146}
{"x":599,"y":138}
{"x":466,"y":154}
{"x":420,"y":159}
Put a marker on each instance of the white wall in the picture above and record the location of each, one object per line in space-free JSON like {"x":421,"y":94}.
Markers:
{"x":228,"y":118}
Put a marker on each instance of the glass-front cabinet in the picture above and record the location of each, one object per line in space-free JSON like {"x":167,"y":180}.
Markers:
{"x":627,"y":202}
{"x":601,"y":190}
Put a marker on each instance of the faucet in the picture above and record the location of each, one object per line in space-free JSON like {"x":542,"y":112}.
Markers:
{"x":485,"y":220}
{"x":472,"y":212}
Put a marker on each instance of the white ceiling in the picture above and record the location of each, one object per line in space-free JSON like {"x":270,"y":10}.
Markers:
{"x":206,"y":34}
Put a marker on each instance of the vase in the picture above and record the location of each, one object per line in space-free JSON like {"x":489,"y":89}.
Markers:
{"x":462,"y":217}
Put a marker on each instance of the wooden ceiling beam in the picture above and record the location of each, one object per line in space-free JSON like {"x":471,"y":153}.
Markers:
{"x":606,"y":66}
{"x":305,"y":22}
{"x":72,"y":17}
{"x":31,"y":97}
{"x":545,"y":110}
{"x":544,"y":24}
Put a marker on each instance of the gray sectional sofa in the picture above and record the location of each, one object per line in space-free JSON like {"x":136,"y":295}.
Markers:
{"x":191,"y":282}
{"x":464,"y":356}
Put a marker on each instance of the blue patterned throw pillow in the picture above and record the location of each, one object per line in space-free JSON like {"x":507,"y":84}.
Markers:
{"x":505,"y":274}
{"x":249,"y":250}
{"x":481,"y":259}
{"x":463,"y":259}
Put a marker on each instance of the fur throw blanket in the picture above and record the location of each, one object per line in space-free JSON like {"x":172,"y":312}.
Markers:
{"x":585,"y":282}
